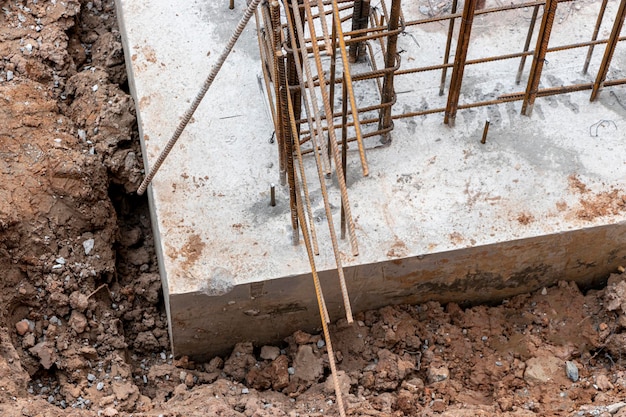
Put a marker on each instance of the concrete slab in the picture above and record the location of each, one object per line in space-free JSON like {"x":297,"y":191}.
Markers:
{"x":440,"y":216}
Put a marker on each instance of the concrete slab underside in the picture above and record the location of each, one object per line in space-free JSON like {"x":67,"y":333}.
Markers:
{"x":441,"y":217}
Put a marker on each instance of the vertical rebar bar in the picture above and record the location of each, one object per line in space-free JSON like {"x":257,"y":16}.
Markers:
{"x":549,"y":11}
{"x":353,"y":107}
{"x":596,"y":30}
{"x":391,"y":58}
{"x":485,"y":131}
{"x":459,"y":62}
{"x":529,"y":37}
{"x":279,"y":81}
{"x":344,"y":147}
{"x":340,"y":177}
{"x":446,"y":56}
{"x":610,"y":49}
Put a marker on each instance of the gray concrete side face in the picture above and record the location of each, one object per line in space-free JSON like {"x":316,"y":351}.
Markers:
{"x":440,"y":216}
{"x":267,"y":312}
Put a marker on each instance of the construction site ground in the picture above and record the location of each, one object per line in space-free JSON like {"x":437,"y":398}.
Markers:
{"x":82,"y":325}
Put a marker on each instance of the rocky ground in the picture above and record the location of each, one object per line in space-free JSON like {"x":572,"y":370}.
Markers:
{"x":82,"y":325}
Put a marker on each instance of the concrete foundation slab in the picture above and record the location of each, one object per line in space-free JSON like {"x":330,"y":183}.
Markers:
{"x":440,"y":217}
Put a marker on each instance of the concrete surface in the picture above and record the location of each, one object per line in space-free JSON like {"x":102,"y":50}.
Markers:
{"x":440,"y":217}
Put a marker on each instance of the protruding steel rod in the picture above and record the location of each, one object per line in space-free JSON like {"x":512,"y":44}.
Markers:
{"x":391,"y":58}
{"x":539,"y":57}
{"x":529,"y":37}
{"x":610,"y":49}
{"x":485,"y":131}
{"x":231,"y":5}
{"x":279,"y":92}
{"x":446,"y":56}
{"x":198,"y":99}
{"x":322,"y":16}
{"x":326,"y":103}
{"x":459,"y":62}
{"x":272,"y":195}
{"x":348,"y":76}
{"x":360,"y":17}
{"x":305,"y":187}
{"x":596,"y":30}
{"x":340,"y":177}
{"x":344,"y":148}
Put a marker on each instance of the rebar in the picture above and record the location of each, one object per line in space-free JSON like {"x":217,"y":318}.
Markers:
{"x":610,"y":49}
{"x":539,"y":57}
{"x":446,"y":55}
{"x":459,"y":62}
{"x":353,"y":106}
{"x":596,"y":30}
{"x":531,"y":29}
{"x":340,"y":177}
{"x":198,"y":99}
{"x":391,"y":58}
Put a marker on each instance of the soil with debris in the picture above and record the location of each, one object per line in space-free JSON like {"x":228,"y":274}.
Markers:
{"x":82,"y":325}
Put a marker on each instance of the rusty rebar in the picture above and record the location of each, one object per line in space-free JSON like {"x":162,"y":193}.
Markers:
{"x":198,"y":99}
{"x":391,"y":58}
{"x":540,"y":56}
{"x":300,"y":32}
{"x":529,"y":36}
{"x":446,"y":55}
{"x":279,"y":78}
{"x":485,"y":131}
{"x":596,"y":30}
{"x":609,"y":50}
{"x":353,"y":106}
{"x":344,"y":148}
{"x":340,"y":176}
{"x":459,"y":62}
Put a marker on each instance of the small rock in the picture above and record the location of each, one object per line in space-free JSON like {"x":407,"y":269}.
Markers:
{"x":544,"y":291}
{"x":88,"y":246}
{"x":28,"y":341}
{"x":22,"y":327}
{"x":79,"y":301}
{"x":9,"y":75}
{"x":603,"y":383}
{"x":45,"y":353}
{"x":91,"y":377}
{"x":270,"y":353}
{"x":437,"y":374}
{"x":614,"y":408}
{"x":100,"y":386}
{"x":320,"y":344}
{"x":308,"y":366}
{"x":189,"y":380}
{"x":301,"y":338}
{"x":542,"y":369}
{"x":78,"y":321}
{"x":572,"y":370}
{"x":60,"y":260}
{"x":439,"y":406}
{"x":110,"y":412}
{"x":291,"y":370}
{"x":245,"y":391}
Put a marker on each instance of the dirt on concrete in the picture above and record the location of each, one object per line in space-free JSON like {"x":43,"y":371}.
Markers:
{"x":82,"y":324}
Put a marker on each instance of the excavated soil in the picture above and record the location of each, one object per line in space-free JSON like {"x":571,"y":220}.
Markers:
{"x":82,"y":324}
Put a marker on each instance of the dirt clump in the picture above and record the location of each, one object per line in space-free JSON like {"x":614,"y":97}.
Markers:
{"x":82,"y":324}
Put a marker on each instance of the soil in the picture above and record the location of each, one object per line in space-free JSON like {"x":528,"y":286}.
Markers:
{"x":82,"y":324}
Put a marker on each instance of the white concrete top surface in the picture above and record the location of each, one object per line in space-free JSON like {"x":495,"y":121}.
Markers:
{"x":434,"y":189}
